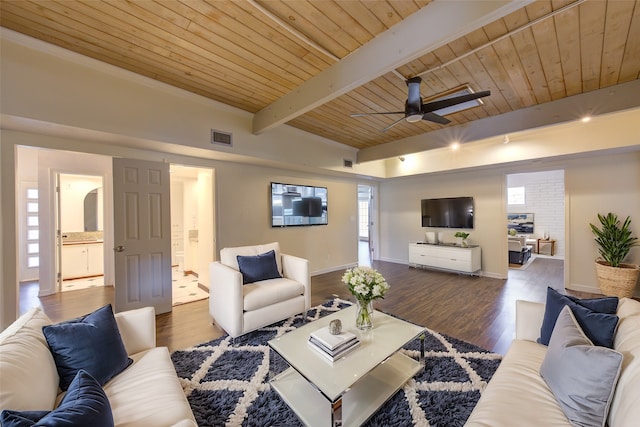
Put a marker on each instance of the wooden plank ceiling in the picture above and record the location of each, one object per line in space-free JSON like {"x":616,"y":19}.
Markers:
{"x":249,"y":53}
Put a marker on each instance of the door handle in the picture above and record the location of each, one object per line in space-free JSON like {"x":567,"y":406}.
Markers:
{"x":119,"y":249}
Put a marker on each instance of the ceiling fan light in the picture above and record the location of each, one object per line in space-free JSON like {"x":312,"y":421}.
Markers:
{"x":412,"y":118}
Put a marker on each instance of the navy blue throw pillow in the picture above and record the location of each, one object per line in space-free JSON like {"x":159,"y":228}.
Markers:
{"x":92,"y":343}
{"x":595,"y":316}
{"x":84,"y":404}
{"x":258,"y":267}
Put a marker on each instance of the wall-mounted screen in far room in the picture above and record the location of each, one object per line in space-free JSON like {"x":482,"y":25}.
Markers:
{"x":298,"y":205}
{"x":521,"y":222}
{"x":451,"y":212}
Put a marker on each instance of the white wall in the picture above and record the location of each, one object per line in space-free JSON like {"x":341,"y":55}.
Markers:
{"x":400,"y":220}
{"x":544,"y":198}
{"x":599,"y":185}
{"x":73,"y":189}
{"x":243,"y":195}
{"x":593,"y":185}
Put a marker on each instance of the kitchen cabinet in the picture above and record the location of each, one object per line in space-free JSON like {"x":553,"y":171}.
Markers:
{"x":82,"y":260}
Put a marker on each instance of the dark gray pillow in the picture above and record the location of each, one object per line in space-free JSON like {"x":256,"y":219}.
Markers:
{"x":258,"y":267}
{"x":581,"y":376}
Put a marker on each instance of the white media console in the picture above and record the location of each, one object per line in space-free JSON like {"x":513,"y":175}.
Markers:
{"x":446,"y":257}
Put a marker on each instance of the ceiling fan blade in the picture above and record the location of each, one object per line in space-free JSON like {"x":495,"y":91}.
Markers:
{"x":392,"y":124}
{"x":413,"y":97}
{"x":433,"y":117}
{"x":438,"y":105}
{"x":371,"y":114}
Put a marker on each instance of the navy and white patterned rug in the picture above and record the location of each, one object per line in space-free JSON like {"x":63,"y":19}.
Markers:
{"x":226,"y":382}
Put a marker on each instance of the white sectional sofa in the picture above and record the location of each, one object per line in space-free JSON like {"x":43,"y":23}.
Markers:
{"x":146,"y":393}
{"x":517,"y":395}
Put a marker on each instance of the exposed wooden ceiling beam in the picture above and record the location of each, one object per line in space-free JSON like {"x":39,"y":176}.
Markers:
{"x":429,"y":28}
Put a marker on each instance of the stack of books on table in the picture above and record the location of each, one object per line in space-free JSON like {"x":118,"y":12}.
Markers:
{"x":333,"y":347}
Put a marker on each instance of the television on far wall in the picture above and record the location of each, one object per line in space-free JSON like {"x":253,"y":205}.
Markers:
{"x":522,"y":223}
{"x":450,"y":212}
{"x":298,"y":205}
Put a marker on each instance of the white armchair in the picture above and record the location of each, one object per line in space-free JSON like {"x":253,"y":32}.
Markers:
{"x":240,"y":308}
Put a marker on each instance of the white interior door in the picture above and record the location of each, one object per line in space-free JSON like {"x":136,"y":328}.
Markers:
{"x":142,"y":241}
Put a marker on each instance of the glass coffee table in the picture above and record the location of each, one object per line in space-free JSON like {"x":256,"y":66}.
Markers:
{"x":349,"y":390}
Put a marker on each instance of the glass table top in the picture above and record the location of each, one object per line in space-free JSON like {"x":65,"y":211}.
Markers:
{"x":333,"y":379}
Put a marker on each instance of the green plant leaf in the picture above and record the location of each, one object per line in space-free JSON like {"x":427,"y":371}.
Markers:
{"x":614,"y":239}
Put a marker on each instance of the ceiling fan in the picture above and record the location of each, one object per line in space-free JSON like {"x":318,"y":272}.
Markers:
{"x":415,"y":110}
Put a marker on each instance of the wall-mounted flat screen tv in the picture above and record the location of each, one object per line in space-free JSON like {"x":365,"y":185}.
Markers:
{"x":451,"y":212}
{"x":521,"y":222}
{"x":298,"y":205}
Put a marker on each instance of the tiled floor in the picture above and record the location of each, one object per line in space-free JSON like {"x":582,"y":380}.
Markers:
{"x":185,"y":287}
{"x":75,"y":284}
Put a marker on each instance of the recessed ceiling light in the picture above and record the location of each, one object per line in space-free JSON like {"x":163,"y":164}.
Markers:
{"x":586,"y":119}
{"x":506,"y":139}
{"x":455,"y":145}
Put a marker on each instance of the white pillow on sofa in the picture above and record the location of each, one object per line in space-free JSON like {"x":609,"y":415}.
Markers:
{"x":27,"y":370}
{"x":581,"y":376}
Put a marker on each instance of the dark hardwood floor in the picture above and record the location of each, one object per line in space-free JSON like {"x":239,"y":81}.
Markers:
{"x":479,"y":310}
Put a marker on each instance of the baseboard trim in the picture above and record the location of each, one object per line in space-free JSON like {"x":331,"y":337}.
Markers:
{"x":332,"y":269}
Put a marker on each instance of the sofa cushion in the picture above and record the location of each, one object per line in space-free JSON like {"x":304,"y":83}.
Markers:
{"x":22,"y":349}
{"x":228,"y":256}
{"x":255,"y":268}
{"x":148,"y":393}
{"x":269,"y":292}
{"x":84,"y":404}
{"x":596,"y":316}
{"x":517,"y":395}
{"x":625,"y":408}
{"x":90,"y":342}
{"x":581,"y":376}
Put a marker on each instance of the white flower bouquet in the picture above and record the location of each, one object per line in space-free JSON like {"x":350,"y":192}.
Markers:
{"x":365,"y":283}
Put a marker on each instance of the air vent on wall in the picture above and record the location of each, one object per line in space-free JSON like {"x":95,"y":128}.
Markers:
{"x":222,"y":138}
{"x":348,"y":163}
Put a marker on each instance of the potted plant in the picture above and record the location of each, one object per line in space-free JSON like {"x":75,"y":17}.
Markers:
{"x":614,"y":241}
{"x":463,"y":236}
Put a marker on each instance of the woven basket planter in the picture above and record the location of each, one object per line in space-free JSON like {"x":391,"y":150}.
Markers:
{"x":617,"y":281}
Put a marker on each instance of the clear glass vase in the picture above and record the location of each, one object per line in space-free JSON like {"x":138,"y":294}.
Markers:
{"x":364,"y":316}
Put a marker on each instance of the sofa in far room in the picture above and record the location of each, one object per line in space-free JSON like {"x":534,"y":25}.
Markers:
{"x":519,"y":251}
{"x":123,"y":378}
{"x":571,"y":378}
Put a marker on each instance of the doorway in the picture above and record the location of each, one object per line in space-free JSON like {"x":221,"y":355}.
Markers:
{"x":192,"y":231}
{"x":365,"y":222}
{"x":79,"y":223}
{"x":38,"y":168}
{"x":535,"y":216}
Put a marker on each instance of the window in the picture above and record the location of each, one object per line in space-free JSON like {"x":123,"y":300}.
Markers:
{"x":515,"y":195}
{"x":33,"y":231}
{"x":364,"y":219}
